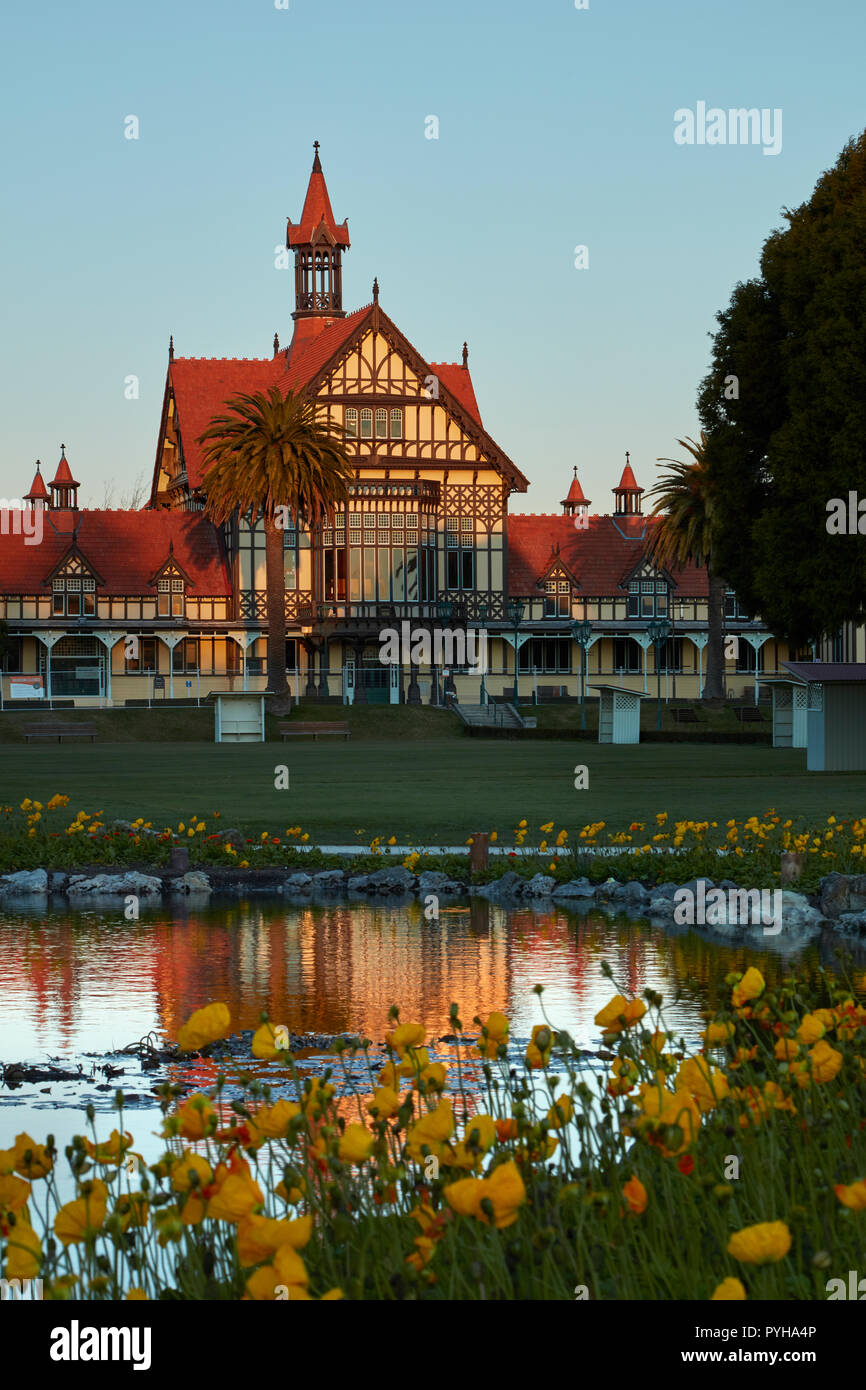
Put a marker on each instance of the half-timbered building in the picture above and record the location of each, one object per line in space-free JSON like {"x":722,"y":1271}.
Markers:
{"x":159,"y":603}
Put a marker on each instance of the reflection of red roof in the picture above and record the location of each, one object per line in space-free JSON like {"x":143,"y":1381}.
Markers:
{"x":317,"y":213}
{"x":125,"y":550}
{"x":628,"y":482}
{"x":601,"y":558}
{"x":457,"y":380}
{"x":38,"y":491}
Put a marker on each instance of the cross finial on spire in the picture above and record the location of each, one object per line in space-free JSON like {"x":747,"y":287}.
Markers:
{"x":626,"y":456}
{"x":63,"y":451}
{"x":316,"y":146}
{"x":317,"y":163}
{"x":465,"y":355}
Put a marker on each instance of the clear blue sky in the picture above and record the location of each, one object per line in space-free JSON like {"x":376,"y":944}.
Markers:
{"x":555,"y":129}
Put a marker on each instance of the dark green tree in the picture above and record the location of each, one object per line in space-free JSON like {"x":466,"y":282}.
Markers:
{"x":784,"y":410}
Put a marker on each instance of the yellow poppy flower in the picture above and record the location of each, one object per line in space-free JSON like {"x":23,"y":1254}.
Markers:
{"x":762,"y":1244}
{"x":729,"y":1291}
{"x":749,"y":987}
{"x":31,"y":1160}
{"x":205,"y":1026}
{"x":356,"y":1144}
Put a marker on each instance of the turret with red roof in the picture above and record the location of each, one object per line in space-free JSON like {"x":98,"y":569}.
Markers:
{"x":628,"y":494}
{"x":64,"y":488}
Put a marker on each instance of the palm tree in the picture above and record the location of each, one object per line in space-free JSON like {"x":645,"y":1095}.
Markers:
{"x":274,"y":452}
{"x":685,"y":532}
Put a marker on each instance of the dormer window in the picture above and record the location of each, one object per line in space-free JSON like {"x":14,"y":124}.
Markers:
{"x":73,"y":596}
{"x":557,"y":598}
{"x":170,"y":601}
{"x":647,"y":598}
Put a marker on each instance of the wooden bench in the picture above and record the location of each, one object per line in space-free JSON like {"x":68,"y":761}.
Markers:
{"x":684,"y":716}
{"x":298,"y":729}
{"x":60,"y":731}
{"x":749,"y":714}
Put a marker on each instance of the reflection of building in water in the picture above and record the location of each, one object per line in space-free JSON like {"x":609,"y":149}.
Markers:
{"x":335,"y":969}
{"x":68,"y":977}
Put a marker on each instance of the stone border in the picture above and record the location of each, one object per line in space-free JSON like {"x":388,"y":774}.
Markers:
{"x":840,"y":902}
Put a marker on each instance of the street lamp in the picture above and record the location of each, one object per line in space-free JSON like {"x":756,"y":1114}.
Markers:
{"x":482,"y":622}
{"x":445,"y":609}
{"x":581,"y":633}
{"x":659,"y":631}
{"x":516,"y":610}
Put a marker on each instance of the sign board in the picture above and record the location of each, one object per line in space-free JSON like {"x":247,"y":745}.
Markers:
{"x":159,"y":682}
{"x":26,"y":688}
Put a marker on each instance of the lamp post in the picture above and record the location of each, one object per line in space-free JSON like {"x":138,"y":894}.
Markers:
{"x":445,"y":609}
{"x":516,"y":610}
{"x":659,"y":631}
{"x":581,"y":633}
{"x":482,"y":622}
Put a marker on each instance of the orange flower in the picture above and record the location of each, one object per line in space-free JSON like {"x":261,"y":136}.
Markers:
{"x":853,"y":1196}
{"x":636,"y":1195}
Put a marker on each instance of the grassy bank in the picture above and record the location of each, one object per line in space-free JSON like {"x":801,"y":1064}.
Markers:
{"x":425,"y":791}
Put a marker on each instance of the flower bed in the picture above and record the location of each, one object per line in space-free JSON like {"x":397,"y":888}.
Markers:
{"x":737,"y":1172}
{"x":746,"y":851}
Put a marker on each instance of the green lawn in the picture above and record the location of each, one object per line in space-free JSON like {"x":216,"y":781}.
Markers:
{"x":427,"y":791}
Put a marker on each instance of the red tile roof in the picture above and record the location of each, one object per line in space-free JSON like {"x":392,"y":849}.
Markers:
{"x":124,"y":548}
{"x":63,"y":477}
{"x":828,"y":672}
{"x":601,"y":557}
{"x":575,"y":493}
{"x":457,"y":380}
{"x":38,"y":490}
{"x":317,"y":210}
{"x":308,"y":358}
{"x":628,"y":482}
{"x":202,"y":385}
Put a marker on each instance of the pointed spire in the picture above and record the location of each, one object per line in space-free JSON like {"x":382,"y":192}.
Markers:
{"x":575,"y":498}
{"x":628,"y":494}
{"x":465,"y":355}
{"x":276,"y":343}
{"x":317,"y":219}
{"x":63,"y":477}
{"x":38,"y":491}
{"x":376,"y":290}
{"x":171,"y":348}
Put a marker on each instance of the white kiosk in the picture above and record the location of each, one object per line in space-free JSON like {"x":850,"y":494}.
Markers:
{"x":790,"y":706}
{"x":239,"y":716}
{"x":618,"y":714}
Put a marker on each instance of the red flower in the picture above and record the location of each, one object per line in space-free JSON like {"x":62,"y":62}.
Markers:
{"x":686,"y":1164}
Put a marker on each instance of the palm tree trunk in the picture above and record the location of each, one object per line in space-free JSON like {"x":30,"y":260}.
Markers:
{"x":275,"y":582}
{"x":714,"y":689}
